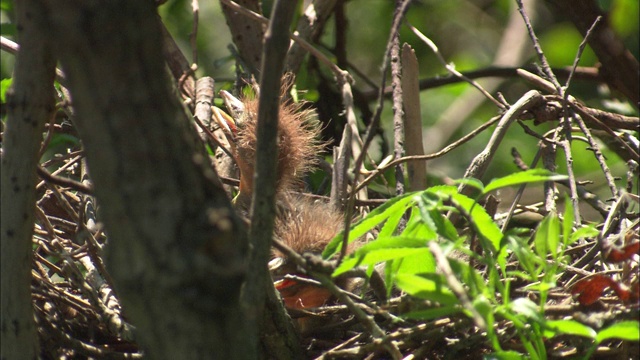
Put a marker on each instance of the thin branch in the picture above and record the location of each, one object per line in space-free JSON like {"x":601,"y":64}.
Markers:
{"x":452,"y":70}
{"x":64,"y":167}
{"x":536,"y":45}
{"x":398,"y":112}
{"x":371,"y":129}
{"x":65,"y":182}
{"x":193,"y":37}
{"x":438,"y":154}
{"x":262,"y":212}
{"x":583,"y":73}
{"x":310,"y":22}
{"x":581,"y":48}
{"x":480,"y":163}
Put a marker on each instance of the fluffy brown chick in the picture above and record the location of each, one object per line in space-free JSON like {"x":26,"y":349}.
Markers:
{"x":306,"y":226}
{"x":298,"y":144}
{"x":302,"y":224}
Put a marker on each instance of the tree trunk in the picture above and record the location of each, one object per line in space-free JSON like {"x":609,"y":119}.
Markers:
{"x":29,"y":103}
{"x":176,"y":250}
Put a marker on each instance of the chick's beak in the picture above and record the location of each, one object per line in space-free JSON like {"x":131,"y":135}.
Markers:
{"x":225,"y":122}
{"x":233,"y":104}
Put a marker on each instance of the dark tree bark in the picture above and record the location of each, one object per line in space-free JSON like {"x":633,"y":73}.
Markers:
{"x":267,"y":310}
{"x":246,"y":34}
{"x":176,"y":250}
{"x":619,"y":67}
{"x":30,"y":103}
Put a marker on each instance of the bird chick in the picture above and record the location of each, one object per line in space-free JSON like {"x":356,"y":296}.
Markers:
{"x":301,"y":224}
{"x":306,"y":227}
{"x":298,"y":143}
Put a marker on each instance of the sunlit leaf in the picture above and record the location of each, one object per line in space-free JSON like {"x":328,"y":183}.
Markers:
{"x":527,"y":308}
{"x":4,"y":86}
{"x":623,"y":330}
{"x":568,"y":327}
{"x":433,"y":313}
{"x":391,"y":224}
{"x":416,"y":228}
{"x":435,"y":220}
{"x":547,"y":236}
{"x":428,"y":287}
{"x":475,"y":183}
{"x":524,"y":177}
{"x":383,"y":249}
{"x":484,"y":224}
{"x":374,"y":218}
{"x":583,"y":232}
{"x":418,"y":263}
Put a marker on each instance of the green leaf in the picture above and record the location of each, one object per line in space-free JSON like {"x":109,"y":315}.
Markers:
{"x":471,"y":182}
{"x":583,"y":232}
{"x":620,"y":18}
{"x":526,"y":308}
{"x":373,"y":219}
{"x":4,"y":86}
{"x":391,"y":224}
{"x":418,"y":263}
{"x":526,"y":257}
{"x":434,"y":313}
{"x":6,"y":5}
{"x":524,"y":177}
{"x":416,"y":228}
{"x":547,"y":236}
{"x":431,"y":215}
{"x":470,"y":277}
{"x":383,"y":249}
{"x":431,"y":287}
{"x":485,"y":309}
{"x":484,"y":223}
{"x":8,"y":29}
{"x":568,"y":327}
{"x":623,"y":330}
{"x":567,"y":221}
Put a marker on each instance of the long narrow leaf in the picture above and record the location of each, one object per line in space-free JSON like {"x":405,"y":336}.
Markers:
{"x":484,"y":224}
{"x":383,"y":249}
{"x":373,"y":219}
{"x":524,"y":177}
{"x":431,"y":288}
{"x":623,"y":330}
{"x":568,"y":327}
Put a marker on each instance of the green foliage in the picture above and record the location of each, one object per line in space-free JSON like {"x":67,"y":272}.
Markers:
{"x":411,"y":266}
{"x":530,"y":176}
{"x":622,"y":19}
{"x":4,"y":86}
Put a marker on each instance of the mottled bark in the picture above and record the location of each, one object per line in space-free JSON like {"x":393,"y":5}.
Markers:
{"x":246,"y":34}
{"x":620,"y":68}
{"x":176,"y":248}
{"x":30,"y":103}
